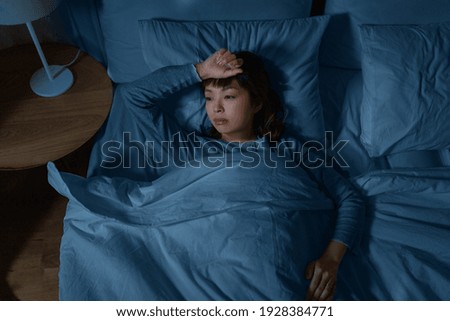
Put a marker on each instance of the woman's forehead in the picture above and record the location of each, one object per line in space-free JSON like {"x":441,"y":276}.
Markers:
{"x":216,"y":86}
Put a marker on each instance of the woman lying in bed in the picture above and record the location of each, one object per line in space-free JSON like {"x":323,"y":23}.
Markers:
{"x":261,"y":226}
{"x":241,"y":106}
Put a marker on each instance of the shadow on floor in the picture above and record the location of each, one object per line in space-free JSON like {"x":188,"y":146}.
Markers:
{"x":31,"y":224}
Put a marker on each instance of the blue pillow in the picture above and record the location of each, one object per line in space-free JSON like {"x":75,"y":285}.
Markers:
{"x":119,"y":23}
{"x":341,"y":46}
{"x":289,"y":49}
{"x":406,"y":88}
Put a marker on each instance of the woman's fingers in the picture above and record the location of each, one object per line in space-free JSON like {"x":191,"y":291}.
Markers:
{"x":227,"y":59}
{"x":219,"y":56}
{"x":315,"y":282}
{"x":221,"y":64}
{"x":323,"y":283}
{"x":327,"y":291}
{"x":323,"y":290}
{"x":235,"y":63}
{"x":222,"y":57}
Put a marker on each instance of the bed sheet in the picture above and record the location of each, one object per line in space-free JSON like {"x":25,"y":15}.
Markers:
{"x":403,"y":253}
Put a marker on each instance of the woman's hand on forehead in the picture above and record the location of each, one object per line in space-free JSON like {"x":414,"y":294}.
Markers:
{"x":221,"y":64}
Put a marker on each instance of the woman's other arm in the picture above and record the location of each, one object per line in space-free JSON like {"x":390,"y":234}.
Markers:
{"x":350,"y":210}
{"x":146,"y":92}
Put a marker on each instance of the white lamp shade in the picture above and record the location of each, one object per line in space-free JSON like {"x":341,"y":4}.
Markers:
{"x":13,"y":12}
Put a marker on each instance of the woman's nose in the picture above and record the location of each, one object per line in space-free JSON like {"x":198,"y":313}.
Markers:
{"x":218,"y":107}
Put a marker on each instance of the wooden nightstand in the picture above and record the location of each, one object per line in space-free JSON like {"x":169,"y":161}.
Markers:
{"x":35,"y":130}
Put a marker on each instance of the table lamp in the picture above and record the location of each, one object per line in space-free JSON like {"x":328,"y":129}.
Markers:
{"x":49,"y":81}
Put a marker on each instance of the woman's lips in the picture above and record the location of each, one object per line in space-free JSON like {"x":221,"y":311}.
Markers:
{"x":220,"y":121}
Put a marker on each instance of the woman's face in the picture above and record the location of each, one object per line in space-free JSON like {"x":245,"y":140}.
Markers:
{"x":231,"y":112}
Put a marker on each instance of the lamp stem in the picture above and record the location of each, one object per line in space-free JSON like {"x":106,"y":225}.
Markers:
{"x":39,"y":49}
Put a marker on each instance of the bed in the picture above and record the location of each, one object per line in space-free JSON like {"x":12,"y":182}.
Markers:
{"x":366,"y":80}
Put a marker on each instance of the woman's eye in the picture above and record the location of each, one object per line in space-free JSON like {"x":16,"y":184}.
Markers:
{"x":229,"y":97}
{"x":208,"y":98}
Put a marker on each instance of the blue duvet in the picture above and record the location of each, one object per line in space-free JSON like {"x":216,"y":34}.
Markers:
{"x":193,"y":234}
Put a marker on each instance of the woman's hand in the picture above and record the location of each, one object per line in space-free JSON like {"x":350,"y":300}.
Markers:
{"x":323,"y":273}
{"x":221,"y":64}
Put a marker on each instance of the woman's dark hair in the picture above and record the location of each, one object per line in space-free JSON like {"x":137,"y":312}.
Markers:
{"x":254,"y":78}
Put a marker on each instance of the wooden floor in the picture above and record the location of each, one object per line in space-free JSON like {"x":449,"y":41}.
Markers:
{"x":31,"y":224}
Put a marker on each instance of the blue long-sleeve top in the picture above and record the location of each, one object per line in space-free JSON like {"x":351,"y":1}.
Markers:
{"x":143,"y":94}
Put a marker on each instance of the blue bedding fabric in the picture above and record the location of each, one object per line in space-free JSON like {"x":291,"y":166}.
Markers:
{"x":181,"y":238}
{"x":192,"y":234}
{"x":403,"y":254}
{"x":234,"y":221}
{"x":399,"y":60}
{"x":119,"y":24}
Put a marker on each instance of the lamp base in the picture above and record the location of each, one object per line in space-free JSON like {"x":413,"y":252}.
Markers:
{"x":43,"y":86}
